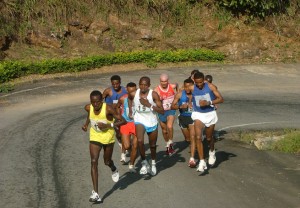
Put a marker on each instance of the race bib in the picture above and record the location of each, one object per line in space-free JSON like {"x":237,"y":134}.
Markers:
{"x":167,"y":103}
{"x":201,"y":97}
{"x":142,"y":109}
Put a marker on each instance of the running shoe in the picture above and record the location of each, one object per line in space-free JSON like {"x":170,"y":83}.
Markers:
{"x":123,"y":158}
{"x":171,"y":150}
{"x":131,"y":169}
{"x":202,"y":166}
{"x":153,"y":169}
{"x":192,"y":163}
{"x":145,"y":168}
{"x":115,"y":176}
{"x":94,"y":197}
{"x":212,"y":157}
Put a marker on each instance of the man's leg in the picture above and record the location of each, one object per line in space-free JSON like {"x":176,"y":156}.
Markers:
{"x":191,"y":129}
{"x":119,"y":140}
{"x":133,"y":153}
{"x":108,"y":151}
{"x":152,"y":143}
{"x":186,"y":134}
{"x":198,"y":127}
{"x":140,"y":131}
{"x":211,"y":141}
{"x":125,"y":146}
{"x":164,"y":131}
{"x":170,"y":130}
{"x":94,"y":153}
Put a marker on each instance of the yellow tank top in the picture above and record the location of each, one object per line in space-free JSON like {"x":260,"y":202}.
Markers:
{"x":106,"y":136}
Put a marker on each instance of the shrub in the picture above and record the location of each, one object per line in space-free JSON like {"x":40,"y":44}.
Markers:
{"x":14,"y":69}
{"x":255,"y":8}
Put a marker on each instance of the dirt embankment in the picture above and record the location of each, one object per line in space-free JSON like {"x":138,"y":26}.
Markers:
{"x":276,"y":39}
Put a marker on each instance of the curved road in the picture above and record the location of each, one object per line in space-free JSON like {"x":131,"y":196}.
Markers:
{"x":44,"y":156}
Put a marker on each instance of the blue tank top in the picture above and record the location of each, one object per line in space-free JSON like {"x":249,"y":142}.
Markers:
{"x":115,"y":96}
{"x":203,"y":94}
{"x":184,"y":99}
{"x":125,"y":110}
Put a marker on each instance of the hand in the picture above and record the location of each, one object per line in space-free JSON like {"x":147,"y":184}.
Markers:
{"x":130,"y":115}
{"x":84,"y":127}
{"x":145,"y":102}
{"x":203,"y":103}
{"x":102,"y":126}
{"x":184,"y":106}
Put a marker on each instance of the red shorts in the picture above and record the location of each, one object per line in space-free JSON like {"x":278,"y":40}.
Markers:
{"x":128,"y":129}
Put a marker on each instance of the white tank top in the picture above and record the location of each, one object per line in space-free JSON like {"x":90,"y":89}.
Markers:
{"x":142,"y":113}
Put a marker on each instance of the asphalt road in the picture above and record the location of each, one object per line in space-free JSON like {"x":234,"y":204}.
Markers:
{"x":44,"y":156}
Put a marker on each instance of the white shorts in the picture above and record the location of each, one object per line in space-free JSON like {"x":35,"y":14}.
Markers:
{"x":207,"y":119}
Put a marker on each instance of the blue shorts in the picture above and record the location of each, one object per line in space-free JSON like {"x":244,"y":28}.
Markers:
{"x":148,"y":129}
{"x":163,"y":117}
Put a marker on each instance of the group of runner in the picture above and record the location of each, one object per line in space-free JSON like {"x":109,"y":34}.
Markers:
{"x":128,"y":113}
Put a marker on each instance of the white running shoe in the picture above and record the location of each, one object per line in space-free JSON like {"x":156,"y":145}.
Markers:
{"x":212,"y":157}
{"x":123,"y":158}
{"x":145,"y":168}
{"x":153,"y":169}
{"x":131,"y":169}
{"x":94,"y":197}
{"x":115,"y":176}
{"x":202,"y":166}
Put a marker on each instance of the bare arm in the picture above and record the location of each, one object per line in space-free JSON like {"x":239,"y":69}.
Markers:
{"x":110,"y":114}
{"x":174,"y":105}
{"x":158,"y":108}
{"x":107,"y":92}
{"x":175,"y":86}
{"x":87,"y":121}
{"x":119,"y":105}
{"x":219,"y":98}
{"x":120,"y":120}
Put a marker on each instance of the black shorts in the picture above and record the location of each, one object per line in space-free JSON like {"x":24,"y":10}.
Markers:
{"x":184,"y":121}
{"x":100,"y":144}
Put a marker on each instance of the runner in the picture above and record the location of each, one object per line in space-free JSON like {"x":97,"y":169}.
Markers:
{"x":208,"y":78}
{"x":125,"y":104}
{"x":183,"y":103}
{"x":205,"y":96}
{"x":111,"y":96}
{"x":166,"y":92}
{"x":147,"y":104}
{"x":102,"y":135}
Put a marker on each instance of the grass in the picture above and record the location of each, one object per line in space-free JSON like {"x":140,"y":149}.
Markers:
{"x":5,"y":88}
{"x":290,"y":142}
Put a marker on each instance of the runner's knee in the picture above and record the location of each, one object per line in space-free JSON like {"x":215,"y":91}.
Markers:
{"x":164,"y":131}
{"x":127,"y":146}
{"x":94,"y":162}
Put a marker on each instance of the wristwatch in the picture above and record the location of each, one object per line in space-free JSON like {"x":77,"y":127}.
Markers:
{"x":151,"y":107}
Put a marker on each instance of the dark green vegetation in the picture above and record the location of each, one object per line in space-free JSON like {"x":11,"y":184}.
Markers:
{"x":14,"y":69}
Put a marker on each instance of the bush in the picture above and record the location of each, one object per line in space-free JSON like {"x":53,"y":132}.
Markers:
{"x":255,"y":8}
{"x":14,"y":69}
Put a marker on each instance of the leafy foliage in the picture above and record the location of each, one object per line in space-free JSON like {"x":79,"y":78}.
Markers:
{"x":14,"y":69}
{"x":255,"y":8}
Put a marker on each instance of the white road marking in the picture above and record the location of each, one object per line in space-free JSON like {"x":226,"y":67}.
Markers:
{"x":250,"y":124}
{"x":21,"y":91}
